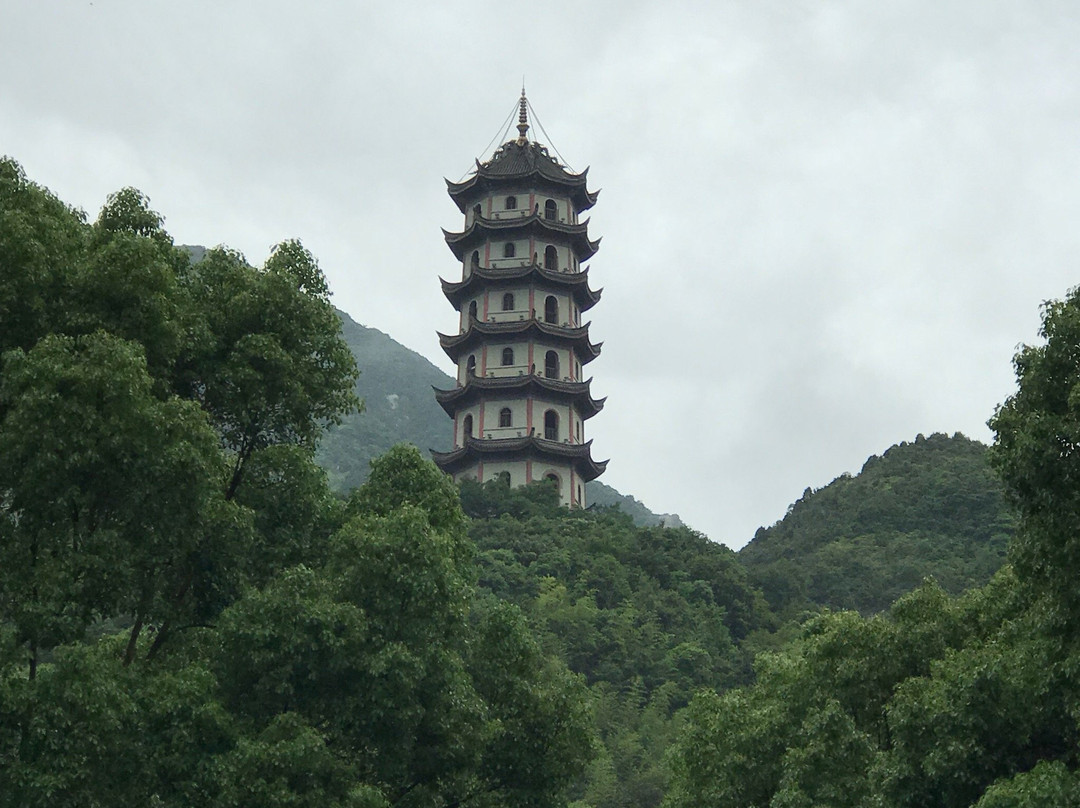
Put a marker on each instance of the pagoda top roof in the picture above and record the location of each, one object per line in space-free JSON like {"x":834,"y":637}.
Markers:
{"x":580,"y":454}
{"x":577,"y":336}
{"x":532,"y":384}
{"x":534,"y":223}
{"x":518,"y":162}
{"x":577,"y":282}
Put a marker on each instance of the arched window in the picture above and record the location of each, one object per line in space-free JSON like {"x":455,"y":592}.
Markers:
{"x":579,"y":500}
{"x":472,"y":310}
{"x":508,"y":301}
{"x":476,"y":258}
{"x":506,"y":418}
{"x":470,"y":365}
{"x":476,"y":211}
{"x":511,"y":202}
{"x":551,"y":475}
{"x":508,"y":249}
{"x":466,"y":426}
{"x":551,"y":425}
{"x":551,"y":210}
{"x":551,"y":309}
{"x":551,"y":258}
{"x":504,"y":478}
{"x":551,"y":365}
{"x":577,"y":428}
{"x":508,"y":356}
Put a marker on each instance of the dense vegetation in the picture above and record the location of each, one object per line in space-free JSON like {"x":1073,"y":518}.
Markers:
{"x":191,"y":616}
{"x":647,"y":615}
{"x":188,"y":616}
{"x":930,"y":508}
{"x":941,"y":702}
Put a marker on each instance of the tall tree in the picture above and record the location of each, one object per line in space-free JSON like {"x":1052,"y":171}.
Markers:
{"x":110,"y":498}
{"x":1037,"y":453}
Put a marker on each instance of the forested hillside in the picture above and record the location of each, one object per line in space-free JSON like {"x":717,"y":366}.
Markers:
{"x":930,"y":508}
{"x":940,"y":702}
{"x":395,"y":385}
{"x":190,"y":614}
{"x":647,"y":615}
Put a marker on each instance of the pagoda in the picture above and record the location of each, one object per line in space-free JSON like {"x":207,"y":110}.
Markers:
{"x":520,"y":404}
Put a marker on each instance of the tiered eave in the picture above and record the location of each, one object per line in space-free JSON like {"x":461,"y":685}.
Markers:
{"x":527,"y":162}
{"x":579,"y":454}
{"x":577,"y":283}
{"x":532,"y":224}
{"x":577,"y":338}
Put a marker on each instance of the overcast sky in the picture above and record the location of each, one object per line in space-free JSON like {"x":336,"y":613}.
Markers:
{"x":826,"y":225}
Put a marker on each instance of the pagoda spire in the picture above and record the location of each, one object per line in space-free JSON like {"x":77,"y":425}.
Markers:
{"x":523,"y":118}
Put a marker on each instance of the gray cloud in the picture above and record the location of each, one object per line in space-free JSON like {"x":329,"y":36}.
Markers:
{"x":826,"y":226}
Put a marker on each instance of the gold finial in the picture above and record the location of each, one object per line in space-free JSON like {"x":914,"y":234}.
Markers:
{"x":523,"y":118}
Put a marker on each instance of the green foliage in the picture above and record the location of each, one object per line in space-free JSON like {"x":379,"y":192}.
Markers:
{"x":940,"y":703}
{"x":266,"y":360}
{"x":39,"y":236}
{"x":188,"y":616}
{"x":931,"y":508}
{"x":647,"y":615}
{"x":421,"y":690}
{"x":402,"y":477}
{"x":880,"y":711}
{"x":599,"y":495}
{"x":1037,"y":453}
{"x":496,"y":498}
{"x":1049,"y":785}
{"x":88,"y":731}
{"x":987,"y":710}
{"x":109,"y":492}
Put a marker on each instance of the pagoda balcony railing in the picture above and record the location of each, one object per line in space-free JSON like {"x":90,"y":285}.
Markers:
{"x":503,"y":215}
{"x":517,"y":317}
{"x":506,"y":432}
{"x":510,"y":263}
{"x":502,"y":371}
{"x":512,"y":371}
{"x":515,"y":263}
{"x":508,"y":316}
{"x":496,"y":432}
{"x":518,"y":213}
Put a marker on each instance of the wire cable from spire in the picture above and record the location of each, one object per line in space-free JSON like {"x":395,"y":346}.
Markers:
{"x":504,"y":129}
{"x":547,"y":137}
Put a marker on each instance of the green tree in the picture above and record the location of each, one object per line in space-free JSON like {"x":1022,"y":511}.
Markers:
{"x":1037,"y":453}
{"x":109,"y":496}
{"x":265,"y":360}
{"x":1049,"y":784}
{"x":40,"y":237}
{"x":378,"y":651}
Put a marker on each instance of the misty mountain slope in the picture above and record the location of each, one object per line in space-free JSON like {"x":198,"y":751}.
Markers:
{"x":395,"y":384}
{"x":928,"y":508}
